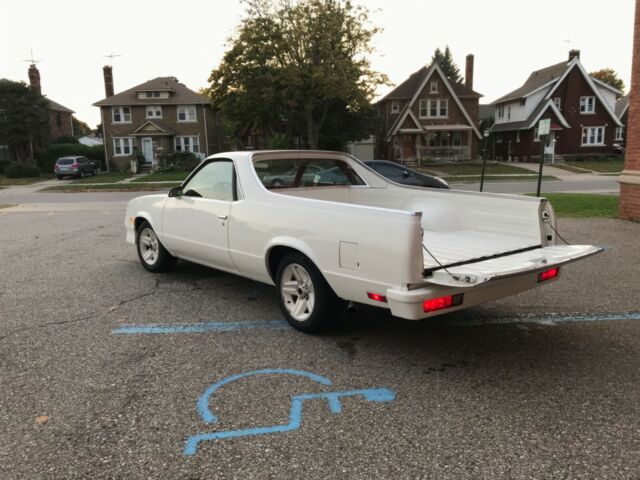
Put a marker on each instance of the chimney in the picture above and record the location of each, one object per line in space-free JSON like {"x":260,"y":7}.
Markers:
{"x":108,"y":80}
{"x":468,"y":72}
{"x":34,"y":79}
{"x":574,"y":54}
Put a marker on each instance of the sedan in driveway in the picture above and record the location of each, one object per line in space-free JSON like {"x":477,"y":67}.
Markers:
{"x":74,"y":166}
{"x":405,"y":176}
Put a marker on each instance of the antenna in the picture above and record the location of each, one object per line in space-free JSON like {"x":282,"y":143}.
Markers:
{"x":111,"y":57}
{"x":32,"y":60}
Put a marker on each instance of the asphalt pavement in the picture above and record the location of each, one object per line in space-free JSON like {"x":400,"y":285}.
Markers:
{"x":108,"y":371}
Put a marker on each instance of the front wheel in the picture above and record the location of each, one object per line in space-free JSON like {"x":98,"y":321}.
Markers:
{"x":306,"y":299}
{"x":152,"y":254}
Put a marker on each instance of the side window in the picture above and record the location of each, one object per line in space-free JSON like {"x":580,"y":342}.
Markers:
{"x":388,"y":170}
{"x":213,"y":181}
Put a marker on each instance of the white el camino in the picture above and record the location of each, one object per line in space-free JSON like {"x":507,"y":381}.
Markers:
{"x":347,"y":234}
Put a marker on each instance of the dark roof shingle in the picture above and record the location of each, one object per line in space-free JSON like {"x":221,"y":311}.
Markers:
{"x":407,"y":89}
{"x":537,"y":79}
{"x":180,"y":95}
{"x":56,"y":106}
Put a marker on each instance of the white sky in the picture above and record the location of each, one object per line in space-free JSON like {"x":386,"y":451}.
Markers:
{"x":509,"y":39}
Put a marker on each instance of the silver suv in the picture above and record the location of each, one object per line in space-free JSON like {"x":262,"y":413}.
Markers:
{"x":74,"y":166}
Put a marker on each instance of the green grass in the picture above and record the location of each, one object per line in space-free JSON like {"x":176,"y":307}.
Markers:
{"x":169,"y":175}
{"x":4,"y":181}
{"x":110,"y":177}
{"x":569,"y":168}
{"x":583,"y":205}
{"x":611,"y":165}
{"x":465,"y":169}
{"x":111,"y":187}
{"x":497,"y":178}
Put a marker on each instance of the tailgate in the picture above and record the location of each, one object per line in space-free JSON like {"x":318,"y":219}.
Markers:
{"x":472,"y":274}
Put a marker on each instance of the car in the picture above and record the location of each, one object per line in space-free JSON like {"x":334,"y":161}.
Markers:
{"x":418,"y":252}
{"x":287,"y":177}
{"x":405,"y":176}
{"x":618,"y":148}
{"x":74,"y":166}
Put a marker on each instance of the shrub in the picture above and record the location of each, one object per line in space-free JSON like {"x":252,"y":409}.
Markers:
{"x":47,"y":158}
{"x":21,"y":170}
{"x":3,"y":165}
{"x":66,"y":139}
{"x":121,"y":164}
{"x":185,"y":161}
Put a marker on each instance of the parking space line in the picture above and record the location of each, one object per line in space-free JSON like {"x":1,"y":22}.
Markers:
{"x":552,"y":318}
{"x":199,"y":327}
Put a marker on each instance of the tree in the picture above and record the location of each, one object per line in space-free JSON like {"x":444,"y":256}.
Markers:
{"x":24,"y":119}
{"x":80,"y":129}
{"x":610,"y":77}
{"x":294,"y":67}
{"x":448,"y":66}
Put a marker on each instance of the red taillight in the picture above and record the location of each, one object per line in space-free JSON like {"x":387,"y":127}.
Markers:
{"x":548,"y":274}
{"x":440,"y":303}
{"x":378,"y":297}
{"x":74,"y":165}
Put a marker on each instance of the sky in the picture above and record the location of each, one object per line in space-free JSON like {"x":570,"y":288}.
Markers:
{"x":187,"y":39}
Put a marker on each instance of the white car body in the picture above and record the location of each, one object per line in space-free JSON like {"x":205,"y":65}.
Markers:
{"x":376,"y":240}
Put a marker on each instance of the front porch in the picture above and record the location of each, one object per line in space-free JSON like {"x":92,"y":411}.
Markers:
{"x":437,"y":145}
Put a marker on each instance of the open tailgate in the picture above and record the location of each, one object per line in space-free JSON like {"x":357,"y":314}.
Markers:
{"x":475,"y":273}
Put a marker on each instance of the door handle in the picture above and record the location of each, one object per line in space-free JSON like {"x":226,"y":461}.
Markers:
{"x":222,"y":217}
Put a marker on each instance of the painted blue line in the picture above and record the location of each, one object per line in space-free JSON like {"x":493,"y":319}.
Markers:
{"x":200,"y":327}
{"x":203,"y":401}
{"x":552,"y":318}
{"x":378,"y":395}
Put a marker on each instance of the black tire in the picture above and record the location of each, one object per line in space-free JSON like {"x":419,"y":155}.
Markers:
{"x":59,"y":177}
{"x":327,"y":307}
{"x":81,"y":174}
{"x":95,"y":172}
{"x":163,"y":261}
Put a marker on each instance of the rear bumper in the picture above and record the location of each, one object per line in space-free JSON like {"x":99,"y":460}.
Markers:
{"x":408,"y":303}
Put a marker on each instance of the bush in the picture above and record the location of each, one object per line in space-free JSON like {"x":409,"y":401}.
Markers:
{"x":3,"y":164}
{"x":66,"y":139}
{"x":121,"y":164}
{"x":47,"y":158}
{"x":21,"y":170}
{"x":185,"y":161}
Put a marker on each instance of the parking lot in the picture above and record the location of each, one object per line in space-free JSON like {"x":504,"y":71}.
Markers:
{"x":108,"y":371}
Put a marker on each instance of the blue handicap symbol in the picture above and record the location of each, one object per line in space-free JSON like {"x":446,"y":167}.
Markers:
{"x":378,"y":395}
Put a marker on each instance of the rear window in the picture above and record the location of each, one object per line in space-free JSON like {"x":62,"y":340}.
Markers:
{"x":65,"y":161}
{"x":305,"y":173}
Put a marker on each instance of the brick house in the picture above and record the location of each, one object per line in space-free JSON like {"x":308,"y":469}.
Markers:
{"x":157,"y":117}
{"x":581,"y":109}
{"x":430,"y":117}
{"x":60,"y":117}
{"x":622,"y":111}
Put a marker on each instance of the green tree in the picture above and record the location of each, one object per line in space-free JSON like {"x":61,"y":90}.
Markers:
{"x":295,"y":67}
{"x":80,"y":129}
{"x":610,"y":77}
{"x":24,"y":119}
{"x":448,"y":66}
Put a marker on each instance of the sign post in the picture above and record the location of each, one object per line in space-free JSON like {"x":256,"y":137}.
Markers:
{"x":544,"y":127}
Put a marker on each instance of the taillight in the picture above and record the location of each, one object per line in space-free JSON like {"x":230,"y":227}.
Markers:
{"x":548,"y":274}
{"x":440,"y":303}
{"x":378,"y":297}
{"x":75,"y":165}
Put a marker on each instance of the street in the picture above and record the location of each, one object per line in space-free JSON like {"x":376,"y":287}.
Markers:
{"x":109,"y":371}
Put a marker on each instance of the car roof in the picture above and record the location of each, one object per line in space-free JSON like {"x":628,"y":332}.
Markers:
{"x":70,"y":157}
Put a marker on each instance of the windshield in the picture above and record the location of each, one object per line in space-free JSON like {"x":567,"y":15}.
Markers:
{"x":287,"y":173}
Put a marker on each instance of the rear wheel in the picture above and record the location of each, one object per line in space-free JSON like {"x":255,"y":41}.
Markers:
{"x":59,"y":177}
{"x":152,"y":254}
{"x":95,"y":172}
{"x":306,"y":299}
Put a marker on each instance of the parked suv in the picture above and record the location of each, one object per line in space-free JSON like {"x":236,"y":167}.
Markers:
{"x":74,"y":166}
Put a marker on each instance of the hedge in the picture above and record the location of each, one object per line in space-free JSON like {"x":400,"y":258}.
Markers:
{"x":47,"y":158}
{"x":21,"y":170}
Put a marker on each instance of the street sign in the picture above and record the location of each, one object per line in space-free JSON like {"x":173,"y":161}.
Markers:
{"x":544,"y":126}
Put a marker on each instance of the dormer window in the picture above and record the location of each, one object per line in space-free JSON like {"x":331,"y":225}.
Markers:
{"x":395,"y":106}
{"x":434,"y":86}
{"x":152,"y":94}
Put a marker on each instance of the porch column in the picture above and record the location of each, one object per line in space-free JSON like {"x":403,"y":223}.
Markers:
{"x":630,"y":177}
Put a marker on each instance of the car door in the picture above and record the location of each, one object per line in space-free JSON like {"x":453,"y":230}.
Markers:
{"x":195,"y":224}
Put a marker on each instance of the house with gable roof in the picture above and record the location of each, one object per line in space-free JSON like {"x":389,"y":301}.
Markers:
{"x":581,"y":109}
{"x":622,"y":111}
{"x":428,"y":116}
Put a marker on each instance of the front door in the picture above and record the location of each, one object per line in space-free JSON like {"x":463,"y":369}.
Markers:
{"x":195,"y":225}
{"x":408,"y":147}
{"x":147,"y":149}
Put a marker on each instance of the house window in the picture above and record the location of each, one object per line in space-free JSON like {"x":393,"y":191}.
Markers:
{"x":619,"y":133}
{"x":434,"y":108}
{"x":187,"y":144}
{"x":395,"y":107}
{"x":536,"y":135}
{"x":121,"y":114}
{"x":122,"y":146}
{"x":152,"y":94}
{"x":456,"y":139}
{"x":509,"y":112}
{"x":154,"y":111}
{"x":500,"y":111}
{"x":187,"y":113}
{"x":593,"y":136}
{"x":517,"y":136}
{"x":434,"y":87}
{"x":587,"y":104}
{"x":558,"y":102}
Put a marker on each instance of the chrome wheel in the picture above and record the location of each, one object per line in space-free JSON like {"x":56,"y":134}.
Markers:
{"x":149,"y":246}
{"x":298,"y":294}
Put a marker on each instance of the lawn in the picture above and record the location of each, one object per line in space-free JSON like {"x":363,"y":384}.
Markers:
{"x":583,"y":205}
{"x":110,"y":177}
{"x":569,"y":168}
{"x":111,"y":187}
{"x":4,"y":181}
{"x":467,"y":169}
{"x":166,"y":176}
{"x":612,"y":165}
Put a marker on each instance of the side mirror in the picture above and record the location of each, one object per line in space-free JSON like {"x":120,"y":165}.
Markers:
{"x":175,"y":192}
